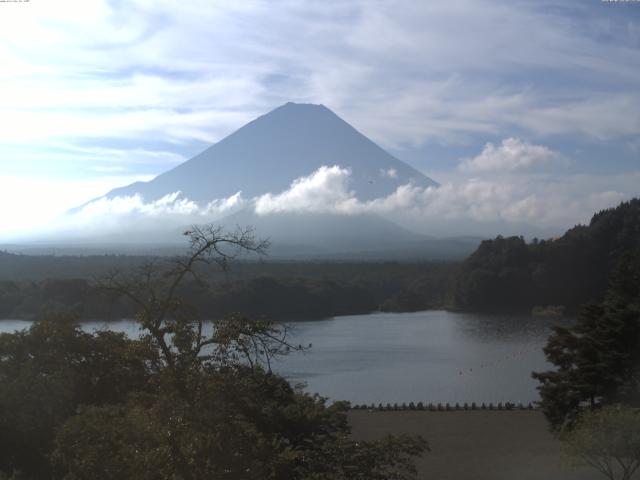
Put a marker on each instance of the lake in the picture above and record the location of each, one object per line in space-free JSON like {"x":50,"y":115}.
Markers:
{"x":431,"y":356}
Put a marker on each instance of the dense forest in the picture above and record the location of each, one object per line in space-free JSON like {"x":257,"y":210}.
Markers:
{"x":569,"y":271}
{"x":504,"y":274}
{"x":596,"y":359}
{"x":31,"y":286}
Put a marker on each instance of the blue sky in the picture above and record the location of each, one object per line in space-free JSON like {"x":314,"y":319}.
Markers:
{"x":95,"y":94}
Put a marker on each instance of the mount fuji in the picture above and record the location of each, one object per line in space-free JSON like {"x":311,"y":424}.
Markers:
{"x":269,"y":158}
{"x":269,"y":153}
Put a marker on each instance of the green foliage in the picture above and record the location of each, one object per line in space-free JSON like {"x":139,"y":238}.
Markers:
{"x":277,"y":290}
{"x":597,"y":360}
{"x":495,"y":276}
{"x":288,"y":298}
{"x":387,"y":458}
{"x":509,"y":274}
{"x":50,"y":370}
{"x":608,"y":440}
{"x":176,"y":404}
{"x":250,"y":430}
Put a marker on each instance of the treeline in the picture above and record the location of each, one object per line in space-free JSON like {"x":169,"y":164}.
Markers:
{"x":513,"y":275}
{"x":289,"y":291}
{"x":21,"y":267}
{"x":504,"y":274}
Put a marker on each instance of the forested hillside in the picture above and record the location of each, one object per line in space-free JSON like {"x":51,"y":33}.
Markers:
{"x":511,"y":274}
{"x":597,"y":359}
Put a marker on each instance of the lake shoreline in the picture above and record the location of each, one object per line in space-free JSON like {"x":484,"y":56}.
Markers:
{"x":489,"y":313}
{"x":386,"y":358}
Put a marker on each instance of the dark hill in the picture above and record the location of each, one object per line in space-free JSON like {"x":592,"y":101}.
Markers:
{"x":510,"y":274}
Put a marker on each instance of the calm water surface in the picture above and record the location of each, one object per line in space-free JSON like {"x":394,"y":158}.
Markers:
{"x":432,"y":356}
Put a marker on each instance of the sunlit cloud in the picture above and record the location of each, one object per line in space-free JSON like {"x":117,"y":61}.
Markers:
{"x":173,"y":208}
{"x":511,"y":155}
{"x":31,"y":206}
{"x":465,"y":205}
{"x":390,"y":173}
{"x":148,"y":62}
{"x":324,"y":191}
{"x":172,"y":204}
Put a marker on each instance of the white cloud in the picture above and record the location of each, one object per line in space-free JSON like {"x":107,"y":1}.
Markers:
{"x":390,"y":173}
{"x":170,"y":204}
{"x":37,"y":208}
{"x":501,"y":203}
{"x":463,"y":206}
{"x":171,"y":207}
{"x":512,"y":155}
{"x":99,"y":68}
{"x":152,"y":221}
{"x":33,"y":204}
{"x":325,"y":190}
{"x":99,"y":73}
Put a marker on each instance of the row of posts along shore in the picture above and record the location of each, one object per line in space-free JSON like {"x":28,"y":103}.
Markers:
{"x":444,"y":407}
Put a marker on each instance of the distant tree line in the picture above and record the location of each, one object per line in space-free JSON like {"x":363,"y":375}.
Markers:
{"x":504,"y":274}
{"x":21,"y":267}
{"x":284,"y":292}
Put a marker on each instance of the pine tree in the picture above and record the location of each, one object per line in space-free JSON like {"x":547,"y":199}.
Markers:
{"x":597,"y":358}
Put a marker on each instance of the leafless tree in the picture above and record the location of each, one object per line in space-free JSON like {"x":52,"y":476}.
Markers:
{"x":172,"y":326}
{"x":608,"y":440}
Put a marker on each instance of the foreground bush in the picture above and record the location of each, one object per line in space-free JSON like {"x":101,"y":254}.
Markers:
{"x":607,"y":440}
{"x":176,"y":404}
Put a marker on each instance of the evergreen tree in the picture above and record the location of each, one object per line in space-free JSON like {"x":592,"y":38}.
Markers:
{"x":509,"y":274}
{"x":597,"y":358}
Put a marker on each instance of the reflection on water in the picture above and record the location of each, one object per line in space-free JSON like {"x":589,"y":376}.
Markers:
{"x":432,"y":356}
{"x":13,"y":325}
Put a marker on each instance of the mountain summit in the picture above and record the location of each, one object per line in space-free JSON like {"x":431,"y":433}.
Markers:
{"x":267,"y":154}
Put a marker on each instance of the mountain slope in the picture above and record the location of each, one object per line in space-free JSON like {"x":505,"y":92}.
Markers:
{"x":267,"y":154}
{"x":298,"y":233}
